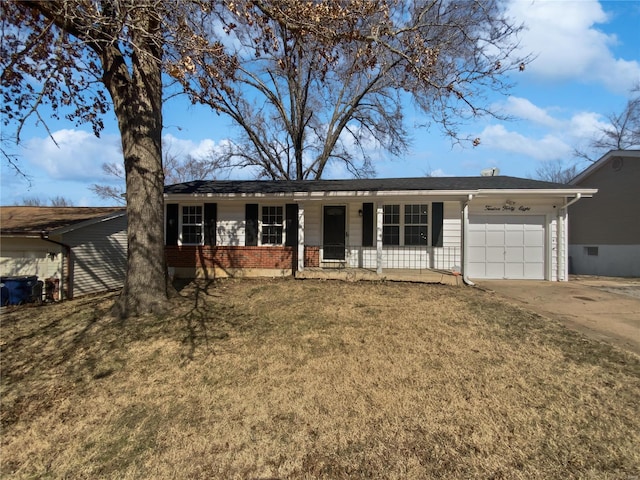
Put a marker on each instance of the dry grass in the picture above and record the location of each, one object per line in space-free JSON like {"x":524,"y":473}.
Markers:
{"x":259,"y":379}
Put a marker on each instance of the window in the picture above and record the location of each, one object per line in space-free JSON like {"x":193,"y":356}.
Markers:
{"x":415,"y":224}
{"x":272,"y":225}
{"x":192,"y":225}
{"x":391,"y":225}
{"x":408,"y":229}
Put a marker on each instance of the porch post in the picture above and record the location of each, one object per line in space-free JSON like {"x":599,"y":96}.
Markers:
{"x":300,"y":237}
{"x":379,"y":240}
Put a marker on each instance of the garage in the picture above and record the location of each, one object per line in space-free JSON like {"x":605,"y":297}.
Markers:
{"x":506,"y":246}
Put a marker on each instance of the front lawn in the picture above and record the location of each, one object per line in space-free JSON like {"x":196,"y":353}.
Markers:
{"x":286,"y":379}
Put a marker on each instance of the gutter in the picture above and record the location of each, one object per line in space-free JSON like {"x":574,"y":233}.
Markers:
{"x":563,"y":240}
{"x":465,"y":234}
{"x":66,"y":256}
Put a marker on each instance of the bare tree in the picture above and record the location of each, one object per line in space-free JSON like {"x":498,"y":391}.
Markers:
{"x":622,"y":133}
{"x":177,"y":169}
{"x":115,"y":193}
{"x":33,"y":202}
{"x":57,"y":201}
{"x":556,"y":171}
{"x":305,"y":95}
{"x":60,"y":201}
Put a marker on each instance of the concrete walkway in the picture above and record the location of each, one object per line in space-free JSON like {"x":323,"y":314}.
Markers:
{"x":602,"y":308}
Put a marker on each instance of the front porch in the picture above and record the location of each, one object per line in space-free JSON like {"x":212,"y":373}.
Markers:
{"x":445,"y":277}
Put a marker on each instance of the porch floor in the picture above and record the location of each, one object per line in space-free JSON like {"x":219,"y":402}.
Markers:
{"x":445,"y":277}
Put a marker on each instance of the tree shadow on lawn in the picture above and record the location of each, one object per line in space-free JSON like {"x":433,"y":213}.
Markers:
{"x":78,"y":342}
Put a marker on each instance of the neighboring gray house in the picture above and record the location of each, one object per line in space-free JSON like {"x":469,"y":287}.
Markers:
{"x":604,"y":231}
{"x":482,"y":227}
{"x":83,"y":248}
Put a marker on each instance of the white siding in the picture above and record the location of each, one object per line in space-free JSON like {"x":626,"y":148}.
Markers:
{"x":29,"y":256}
{"x":452,"y":225}
{"x":553,"y":250}
{"x":99,"y":256}
{"x":230,"y":228}
{"x":313,"y":224}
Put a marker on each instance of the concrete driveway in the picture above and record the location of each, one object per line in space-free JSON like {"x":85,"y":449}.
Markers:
{"x":602,"y":308}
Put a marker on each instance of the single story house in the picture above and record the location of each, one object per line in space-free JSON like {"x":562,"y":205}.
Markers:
{"x":486,"y":227}
{"x":604,"y":232}
{"x":81,"y":250}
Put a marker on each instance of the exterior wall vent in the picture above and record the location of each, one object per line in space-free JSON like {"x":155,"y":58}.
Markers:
{"x":591,"y":251}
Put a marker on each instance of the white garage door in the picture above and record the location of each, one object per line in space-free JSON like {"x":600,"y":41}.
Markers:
{"x":506,"y":246}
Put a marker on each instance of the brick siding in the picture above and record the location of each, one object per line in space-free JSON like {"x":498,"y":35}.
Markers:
{"x":227,"y":257}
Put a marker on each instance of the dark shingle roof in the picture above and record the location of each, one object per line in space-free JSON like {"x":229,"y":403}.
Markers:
{"x":34,"y":220}
{"x":204,"y":187}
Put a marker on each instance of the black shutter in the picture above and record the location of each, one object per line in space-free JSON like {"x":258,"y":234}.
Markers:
{"x":251,"y":225}
{"x":367,"y":224}
{"x":210,"y":218}
{"x":437,"y":218}
{"x":291,"y":219}
{"x":171,"y":226}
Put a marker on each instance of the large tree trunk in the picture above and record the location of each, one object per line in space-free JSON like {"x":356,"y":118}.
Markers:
{"x":136,"y":92}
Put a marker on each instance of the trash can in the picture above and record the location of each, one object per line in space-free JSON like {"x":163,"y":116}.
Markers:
{"x":19,"y":290}
{"x":4,"y":295}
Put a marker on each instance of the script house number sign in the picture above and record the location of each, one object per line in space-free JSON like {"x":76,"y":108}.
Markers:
{"x":507,"y":207}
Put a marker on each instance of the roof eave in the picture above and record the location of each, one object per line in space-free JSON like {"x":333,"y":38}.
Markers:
{"x":564,"y":192}
{"x":601,"y":162}
{"x":85,"y":223}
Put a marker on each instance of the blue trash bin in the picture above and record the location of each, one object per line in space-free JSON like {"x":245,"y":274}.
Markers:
{"x":4,"y":295}
{"x":18,"y":290}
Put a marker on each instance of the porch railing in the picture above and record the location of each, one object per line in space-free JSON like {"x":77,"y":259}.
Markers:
{"x":396,"y":257}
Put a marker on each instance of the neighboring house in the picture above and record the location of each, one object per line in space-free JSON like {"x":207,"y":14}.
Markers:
{"x":482,"y":227}
{"x":604,"y":231}
{"x":84,"y":248}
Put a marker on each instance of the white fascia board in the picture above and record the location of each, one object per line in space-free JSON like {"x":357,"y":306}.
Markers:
{"x":585,"y":192}
{"x":378,"y":194}
{"x":300,"y":196}
{"x":193,"y":197}
{"x":18,"y":235}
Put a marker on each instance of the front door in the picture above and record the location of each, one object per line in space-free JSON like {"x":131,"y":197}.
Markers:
{"x":334,"y":232}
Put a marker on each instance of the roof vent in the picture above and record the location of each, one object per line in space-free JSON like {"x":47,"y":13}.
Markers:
{"x":490,"y":172}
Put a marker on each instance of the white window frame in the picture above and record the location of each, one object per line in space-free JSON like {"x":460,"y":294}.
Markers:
{"x":262,"y":224}
{"x":401,"y":226}
{"x":182,"y":224}
{"x":405,"y":224}
{"x":398,"y":225}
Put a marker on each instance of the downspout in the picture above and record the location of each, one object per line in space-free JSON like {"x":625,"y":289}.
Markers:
{"x":66,"y":258}
{"x":465,"y":250}
{"x":562,"y":267}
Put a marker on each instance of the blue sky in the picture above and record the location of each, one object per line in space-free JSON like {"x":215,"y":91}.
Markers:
{"x":588,"y":59}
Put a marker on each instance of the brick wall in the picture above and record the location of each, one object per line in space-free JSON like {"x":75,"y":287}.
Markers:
{"x":232,"y":257}
{"x":311,"y":256}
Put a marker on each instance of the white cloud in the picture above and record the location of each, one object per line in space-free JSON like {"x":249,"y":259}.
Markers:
{"x":199,"y":150}
{"x":545,"y":148}
{"x":568,"y":45}
{"x":523,"y":109}
{"x":585,"y":125}
{"x":547,"y":134}
{"x":77,"y":155}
